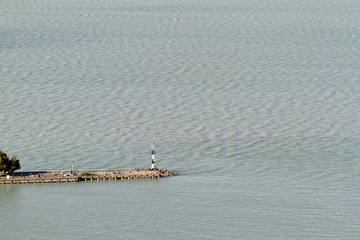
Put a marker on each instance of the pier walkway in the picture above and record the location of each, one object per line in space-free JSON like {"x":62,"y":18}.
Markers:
{"x":84,"y":175}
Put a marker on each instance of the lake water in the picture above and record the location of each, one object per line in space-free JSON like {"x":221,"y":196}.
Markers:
{"x":254,"y":103}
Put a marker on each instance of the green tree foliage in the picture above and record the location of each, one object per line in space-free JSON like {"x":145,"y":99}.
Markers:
{"x":8,"y":166}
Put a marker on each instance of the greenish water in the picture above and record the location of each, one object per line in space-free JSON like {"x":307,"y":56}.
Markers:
{"x":254,"y":103}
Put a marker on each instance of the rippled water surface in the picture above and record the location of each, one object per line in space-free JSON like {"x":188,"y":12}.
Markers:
{"x":254,"y":103}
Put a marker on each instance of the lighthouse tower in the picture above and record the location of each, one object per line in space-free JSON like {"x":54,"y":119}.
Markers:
{"x":153,"y":156}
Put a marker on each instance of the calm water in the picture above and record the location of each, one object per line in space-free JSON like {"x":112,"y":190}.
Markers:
{"x":254,"y":103}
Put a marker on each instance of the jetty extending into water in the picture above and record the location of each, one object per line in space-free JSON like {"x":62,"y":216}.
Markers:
{"x":87,"y":175}
{"x":84,"y":175}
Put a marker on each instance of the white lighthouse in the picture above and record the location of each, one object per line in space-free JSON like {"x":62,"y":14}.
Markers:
{"x":153,"y":156}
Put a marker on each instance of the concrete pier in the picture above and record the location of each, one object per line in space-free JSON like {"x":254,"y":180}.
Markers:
{"x":84,"y":175}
